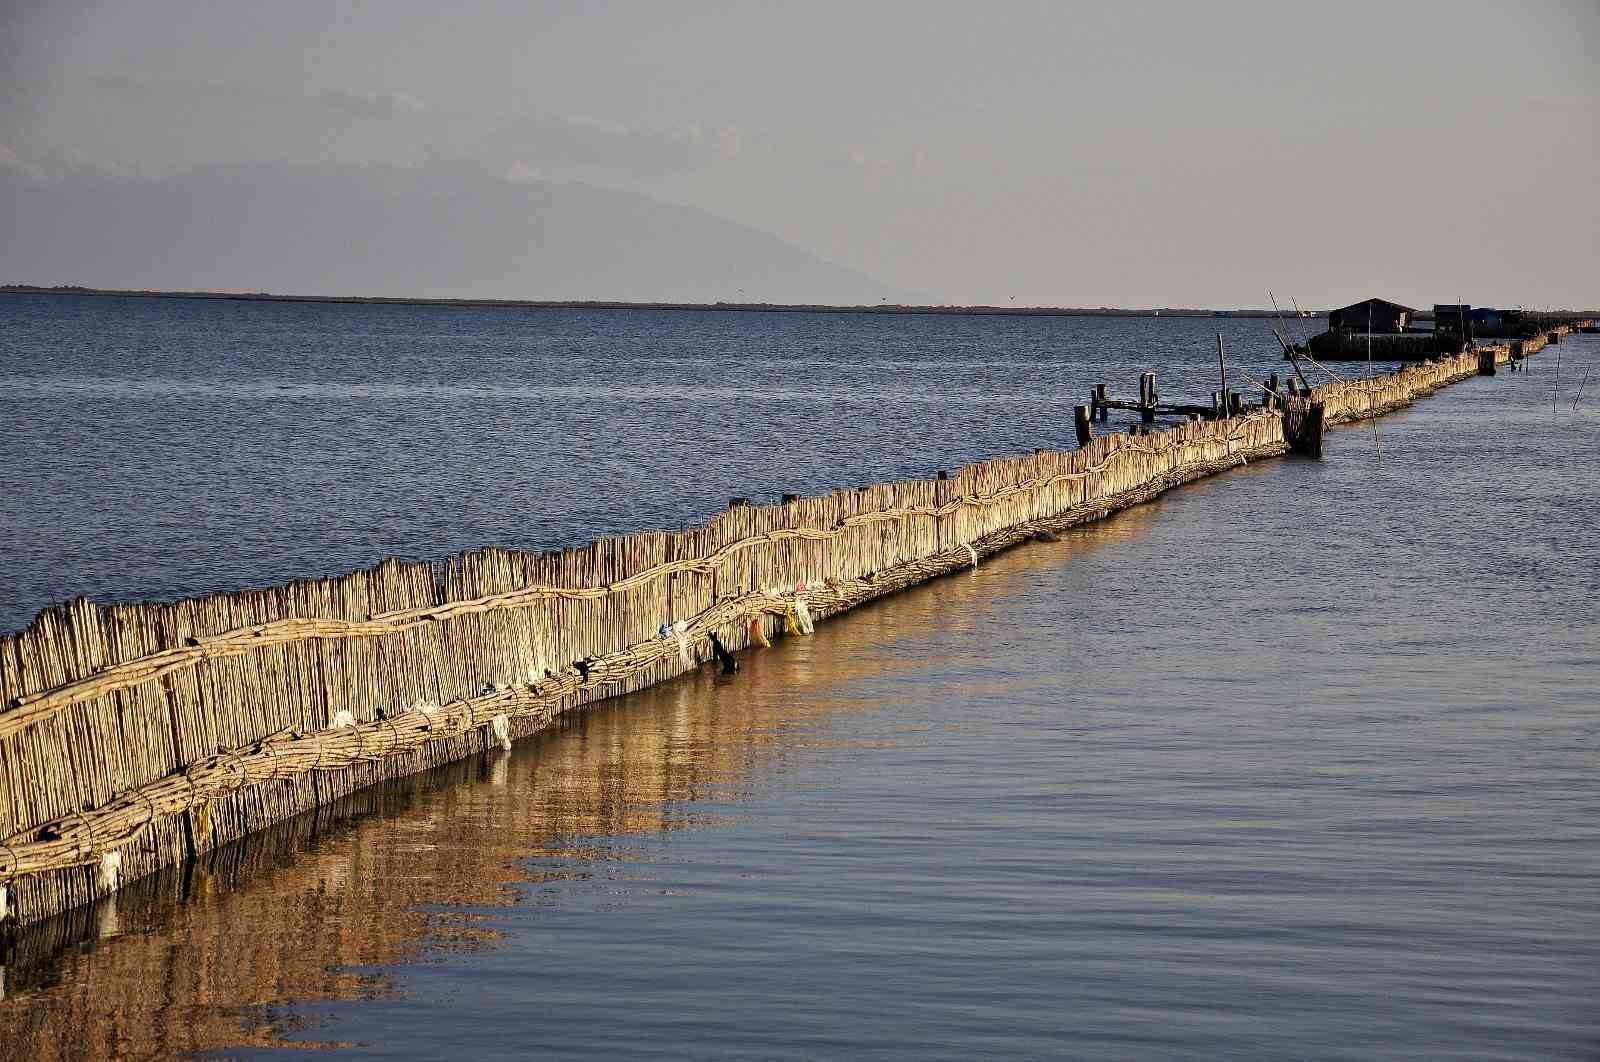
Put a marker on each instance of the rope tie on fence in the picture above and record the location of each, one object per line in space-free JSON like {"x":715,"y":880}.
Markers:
{"x":88,"y":833}
{"x":238,"y":760}
{"x":270,"y":749}
{"x":394,"y":736}
{"x":150,"y":809}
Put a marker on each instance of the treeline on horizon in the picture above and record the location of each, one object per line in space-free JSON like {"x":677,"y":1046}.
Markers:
{"x":747,"y":307}
{"x":603,"y":304}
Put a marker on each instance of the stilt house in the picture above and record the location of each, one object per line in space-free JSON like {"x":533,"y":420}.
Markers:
{"x":1387,"y":318}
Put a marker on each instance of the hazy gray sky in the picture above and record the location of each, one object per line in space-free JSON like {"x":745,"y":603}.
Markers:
{"x":1155,"y":154}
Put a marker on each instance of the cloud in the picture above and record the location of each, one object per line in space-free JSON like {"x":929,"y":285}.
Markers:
{"x":142,"y":87}
{"x":522,"y":173}
{"x":363,"y":103}
{"x":368,"y":104}
{"x":582,"y":143}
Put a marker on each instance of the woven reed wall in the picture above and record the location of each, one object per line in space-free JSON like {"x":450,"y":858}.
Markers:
{"x":1356,"y":398}
{"x":137,"y":735}
{"x":134,"y":736}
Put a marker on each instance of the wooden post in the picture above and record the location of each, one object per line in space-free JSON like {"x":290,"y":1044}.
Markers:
{"x":1100,"y":401}
{"x":1303,"y":426}
{"x":1222,"y":365}
{"x":1081,"y":421}
{"x":1485,"y":363}
{"x":1294,"y":363}
{"x":1147,"y":396}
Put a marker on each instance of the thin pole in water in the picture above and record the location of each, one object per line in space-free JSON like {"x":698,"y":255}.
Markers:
{"x":1555,"y":392}
{"x":1279,"y":311}
{"x":1301,"y":317}
{"x":1222,"y":364}
{"x":1372,"y":398}
{"x":1581,"y":386}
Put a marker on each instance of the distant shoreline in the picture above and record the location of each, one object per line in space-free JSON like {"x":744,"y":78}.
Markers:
{"x":725,"y":307}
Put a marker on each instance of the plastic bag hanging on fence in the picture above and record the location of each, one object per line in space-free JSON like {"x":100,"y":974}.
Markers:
{"x":500,"y":730}
{"x":342,"y":719}
{"x":802,"y":612}
{"x":758,"y":633}
{"x":200,"y":823}
{"x":973,"y":553}
{"x":680,"y":631}
{"x":110,"y":871}
{"x":791,"y":623}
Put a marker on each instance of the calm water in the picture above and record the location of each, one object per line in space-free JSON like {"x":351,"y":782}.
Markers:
{"x":160,"y":448}
{"x":1296,"y":762}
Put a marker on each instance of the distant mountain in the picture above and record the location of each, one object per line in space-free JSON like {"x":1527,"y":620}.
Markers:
{"x":439,"y":232}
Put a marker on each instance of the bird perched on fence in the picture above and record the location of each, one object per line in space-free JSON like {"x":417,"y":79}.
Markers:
{"x":725,"y":658}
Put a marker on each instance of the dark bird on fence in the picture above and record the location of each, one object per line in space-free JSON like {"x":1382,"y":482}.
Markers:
{"x":583,"y":669}
{"x":725,"y":658}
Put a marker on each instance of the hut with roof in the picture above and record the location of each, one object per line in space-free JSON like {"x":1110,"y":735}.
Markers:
{"x":1376,"y":316}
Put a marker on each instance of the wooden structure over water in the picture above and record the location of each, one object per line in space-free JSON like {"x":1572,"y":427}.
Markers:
{"x":136,"y":737}
{"x":1377,"y":316}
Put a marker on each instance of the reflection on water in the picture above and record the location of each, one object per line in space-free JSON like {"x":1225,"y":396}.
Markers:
{"x":314,"y":909}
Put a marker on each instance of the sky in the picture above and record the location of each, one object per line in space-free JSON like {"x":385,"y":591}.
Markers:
{"x":1157,"y":154}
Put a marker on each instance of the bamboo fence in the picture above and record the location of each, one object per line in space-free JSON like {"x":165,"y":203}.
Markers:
{"x":135,"y":736}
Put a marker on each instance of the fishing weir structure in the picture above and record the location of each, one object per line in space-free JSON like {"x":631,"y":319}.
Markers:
{"x":1381,"y":330}
{"x":135,"y":737}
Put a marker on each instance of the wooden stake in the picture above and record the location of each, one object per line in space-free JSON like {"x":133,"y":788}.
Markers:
{"x":1222,"y":366}
{"x":1081,"y":421}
